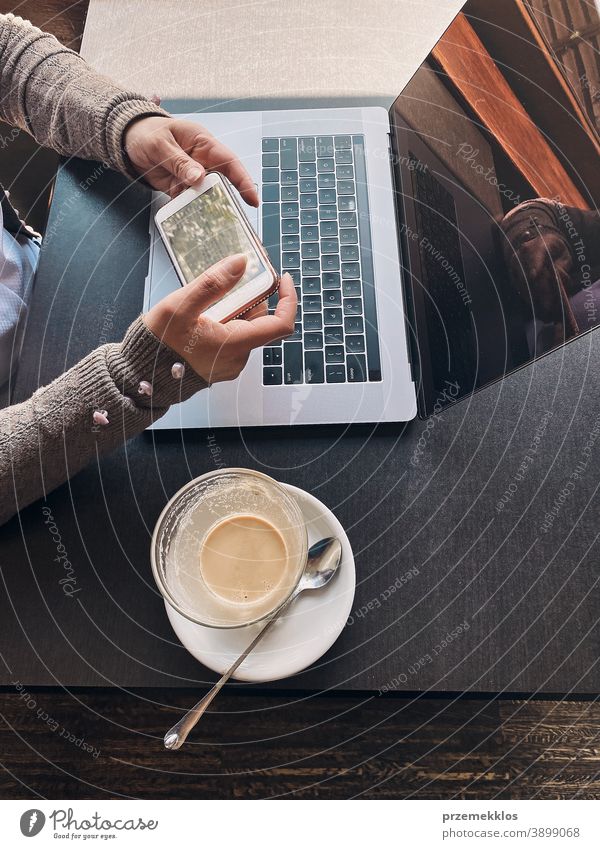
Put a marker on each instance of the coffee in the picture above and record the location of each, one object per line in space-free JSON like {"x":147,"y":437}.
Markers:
{"x":244,"y":560}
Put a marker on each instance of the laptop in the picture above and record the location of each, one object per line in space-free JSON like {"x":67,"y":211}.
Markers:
{"x":410,"y":236}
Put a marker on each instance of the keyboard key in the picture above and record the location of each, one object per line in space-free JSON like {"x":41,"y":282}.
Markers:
{"x":297,"y":334}
{"x":344,"y":172}
{"x":347,"y":204}
{"x":325,"y":146}
{"x":289,"y":210}
{"x":312,"y":303}
{"x":343,"y":157}
{"x":331,"y":280}
{"x":326,"y":181}
{"x":334,"y":335}
{"x":311,"y":268}
{"x":313,"y":321}
{"x":335,"y":374}
{"x":270,"y":175}
{"x":350,"y":270}
{"x":308,"y":184}
{"x":332,"y":317}
{"x":315,"y":341}
{"x":352,"y":288}
{"x":345,"y":187}
{"x":327,"y":213}
{"x":349,"y":236}
{"x":310,"y":250}
{"x":270,"y":232}
{"x":352,"y":306}
{"x":272,"y":301}
{"x":329,"y":228}
{"x":330,"y":246}
{"x":292,"y":363}
{"x":288,"y":151}
{"x":349,"y":253}
{"x":289,"y":178}
{"x":356,"y":366}
{"x":354,"y":324}
{"x":307,"y":169}
{"x":289,"y":193}
{"x":309,"y":216}
{"x":308,"y":201}
{"x":306,"y":150}
{"x":355,"y":344}
{"x":313,"y":367}
{"x":327,"y":196}
{"x":295,"y":275}
{"x":289,"y":225}
{"x":325,"y":166}
{"x":310,"y":234}
{"x":298,"y":310}
{"x":298,"y":293}
{"x":272,"y":357}
{"x":270,"y":160}
{"x":343,"y":143}
{"x":290,"y":243}
{"x":269,"y":145}
{"x":290,"y":259}
{"x":334,"y":354}
{"x":347,"y":219}
{"x":270,"y":193}
{"x":272,"y":376}
{"x":333,"y":298}
{"x":331,"y":262}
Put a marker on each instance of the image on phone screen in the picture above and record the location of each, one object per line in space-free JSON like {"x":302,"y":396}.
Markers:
{"x":207,"y":230}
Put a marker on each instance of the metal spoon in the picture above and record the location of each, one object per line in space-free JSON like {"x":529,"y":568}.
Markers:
{"x":323,"y":560}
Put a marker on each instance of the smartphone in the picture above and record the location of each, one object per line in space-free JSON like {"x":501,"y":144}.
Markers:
{"x":205,"y":224}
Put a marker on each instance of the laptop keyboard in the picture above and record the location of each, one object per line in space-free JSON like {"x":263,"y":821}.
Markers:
{"x":315,"y":225}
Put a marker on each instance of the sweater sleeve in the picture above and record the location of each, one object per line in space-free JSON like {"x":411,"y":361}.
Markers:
{"x":51,"y":92}
{"x":49,"y":438}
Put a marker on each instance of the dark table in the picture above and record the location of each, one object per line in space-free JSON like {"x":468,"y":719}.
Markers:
{"x":454,"y":500}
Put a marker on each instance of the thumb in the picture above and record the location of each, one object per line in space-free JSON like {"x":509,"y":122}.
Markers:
{"x":185,"y":169}
{"x":212,"y":285}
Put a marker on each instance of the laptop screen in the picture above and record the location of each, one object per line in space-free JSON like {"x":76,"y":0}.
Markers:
{"x":497,"y":163}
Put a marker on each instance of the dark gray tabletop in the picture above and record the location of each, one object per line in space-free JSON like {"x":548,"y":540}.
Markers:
{"x":491,"y":508}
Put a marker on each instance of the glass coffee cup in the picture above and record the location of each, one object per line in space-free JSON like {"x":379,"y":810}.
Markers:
{"x":229,"y":548}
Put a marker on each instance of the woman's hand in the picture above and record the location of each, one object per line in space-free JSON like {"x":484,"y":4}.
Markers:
{"x":173,"y":154}
{"x":217,"y":351}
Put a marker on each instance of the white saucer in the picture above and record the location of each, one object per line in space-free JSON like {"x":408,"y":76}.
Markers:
{"x":303,"y":634}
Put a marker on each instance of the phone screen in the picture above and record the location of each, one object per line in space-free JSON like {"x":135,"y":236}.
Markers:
{"x":206,"y":230}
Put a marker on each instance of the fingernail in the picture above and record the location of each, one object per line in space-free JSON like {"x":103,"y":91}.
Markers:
{"x":237,"y":261}
{"x":195,"y":174}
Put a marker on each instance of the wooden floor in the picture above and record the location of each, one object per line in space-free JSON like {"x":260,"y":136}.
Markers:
{"x":108,"y":743}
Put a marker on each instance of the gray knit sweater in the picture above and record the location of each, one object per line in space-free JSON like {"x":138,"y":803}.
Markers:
{"x":52,"y":93}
